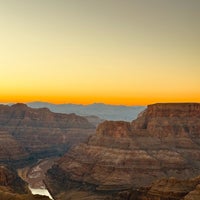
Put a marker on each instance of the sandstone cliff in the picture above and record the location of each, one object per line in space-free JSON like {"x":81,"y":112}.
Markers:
{"x":164,"y":141}
{"x":27,"y":133}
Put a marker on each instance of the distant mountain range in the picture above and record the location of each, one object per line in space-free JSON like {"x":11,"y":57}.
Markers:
{"x":103,"y":111}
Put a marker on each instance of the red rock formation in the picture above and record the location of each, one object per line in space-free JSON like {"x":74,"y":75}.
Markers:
{"x":164,"y":141}
{"x":117,"y":129}
{"x":166,"y":189}
{"x":172,"y":188}
{"x":38,"y":132}
{"x":10,"y":148}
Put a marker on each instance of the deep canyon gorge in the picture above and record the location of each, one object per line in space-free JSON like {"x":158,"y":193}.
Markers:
{"x":154,"y":157}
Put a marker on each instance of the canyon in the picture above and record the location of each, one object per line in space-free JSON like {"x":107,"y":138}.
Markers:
{"x":154,"y":157}
{"x":12,"y":187}
{"x":27,"y":134}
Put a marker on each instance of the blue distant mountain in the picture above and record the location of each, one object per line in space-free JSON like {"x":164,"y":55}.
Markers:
{"x":103,"y":111}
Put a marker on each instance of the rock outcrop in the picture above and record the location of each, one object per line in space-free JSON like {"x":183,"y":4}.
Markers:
{"x":163,"y":142}
{"x":164,"y":189}
{"x":27,"y":133}
{"x":172,"y":188}
{"x":10,"y":179}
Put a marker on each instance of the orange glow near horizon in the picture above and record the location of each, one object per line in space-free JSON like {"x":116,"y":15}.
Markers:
{"x":90,"y":100}
{"x":114,"y":52}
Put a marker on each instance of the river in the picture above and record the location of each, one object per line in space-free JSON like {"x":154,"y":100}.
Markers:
{"x":43,"y":191}
{"x":34,"y":176}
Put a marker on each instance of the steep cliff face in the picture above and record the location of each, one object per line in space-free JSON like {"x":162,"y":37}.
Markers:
{"x":170,"y":120}
{"x":26,"y":132}
{"x":10,"y":148}
{"x":162,"y":142}
{"x":10,"y":180}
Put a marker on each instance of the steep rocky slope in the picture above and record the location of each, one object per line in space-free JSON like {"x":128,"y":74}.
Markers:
{"x":12,"y":182}
{"x":26,"y":133}
{"x":13,"y":187}
{"x":164,"y":141}
{"x":10,"y":148}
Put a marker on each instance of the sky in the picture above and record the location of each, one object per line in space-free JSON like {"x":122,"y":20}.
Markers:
{"x":128,"y":52}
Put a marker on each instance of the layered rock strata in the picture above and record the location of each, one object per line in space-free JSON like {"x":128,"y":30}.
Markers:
{"x":27,"y":133}
{"x":164,"y":141}
{"x":164,"y":189}
{"x":10,"y":148}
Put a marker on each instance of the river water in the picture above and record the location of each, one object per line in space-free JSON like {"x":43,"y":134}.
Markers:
{"x":35,"y":174}
{"x":41,"y":192}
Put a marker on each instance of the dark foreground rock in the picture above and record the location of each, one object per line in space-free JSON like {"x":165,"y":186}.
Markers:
{"x":12,"y":187}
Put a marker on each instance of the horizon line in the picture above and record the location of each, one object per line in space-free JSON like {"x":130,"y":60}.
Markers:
{"x":100,"y":103}
{"x":70,"y":103}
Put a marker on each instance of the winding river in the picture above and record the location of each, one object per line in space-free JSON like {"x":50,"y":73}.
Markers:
{"x":34,"y":176}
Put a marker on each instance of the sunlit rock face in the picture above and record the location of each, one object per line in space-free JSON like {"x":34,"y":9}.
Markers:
{"x":164,"y":141}
{"x":27,"y":133}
